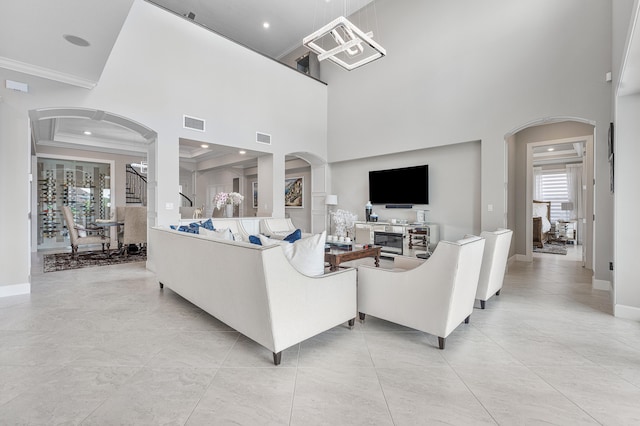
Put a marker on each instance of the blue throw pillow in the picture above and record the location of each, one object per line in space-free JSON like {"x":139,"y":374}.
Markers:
{"x":172,"y":227}
{"x":185,"y":228}
{"x":208,"y":224}
{"x":194,"y":227}
{"x":255,"y":240}
{"x":294,"y":236}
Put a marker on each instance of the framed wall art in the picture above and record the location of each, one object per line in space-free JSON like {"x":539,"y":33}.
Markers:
{"x":293,"y":192}
{"x":254,"y":194}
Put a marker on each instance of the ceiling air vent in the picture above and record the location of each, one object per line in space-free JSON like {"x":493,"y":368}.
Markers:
{"x":193,"y":123}
{"x":263,"y":138}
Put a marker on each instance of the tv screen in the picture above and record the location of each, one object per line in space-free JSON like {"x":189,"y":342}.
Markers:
{"x":409,"y":185}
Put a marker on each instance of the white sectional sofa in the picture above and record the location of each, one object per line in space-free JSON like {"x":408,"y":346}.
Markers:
{"x":253,"y":289}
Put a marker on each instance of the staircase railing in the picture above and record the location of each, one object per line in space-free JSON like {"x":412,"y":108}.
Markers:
{"x":136,"y":187}
{"x":186,"y":198}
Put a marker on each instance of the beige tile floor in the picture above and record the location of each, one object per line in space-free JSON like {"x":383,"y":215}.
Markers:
{"x":106,"y":346}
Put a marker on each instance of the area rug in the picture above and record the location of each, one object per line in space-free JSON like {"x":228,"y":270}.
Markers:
{"x":64,"y":261}
{"x":551,"y":248}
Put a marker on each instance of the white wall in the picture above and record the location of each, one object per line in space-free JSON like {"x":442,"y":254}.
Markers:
{"x":15,"y":165}
{"x":467,"y":70}
{"x":627,"y":205}
{"x":454,"y":186}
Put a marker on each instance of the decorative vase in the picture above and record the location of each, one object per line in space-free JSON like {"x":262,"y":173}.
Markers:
{"x":228,"y":209}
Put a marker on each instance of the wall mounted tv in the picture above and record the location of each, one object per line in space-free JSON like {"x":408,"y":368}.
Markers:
{"x":400,"y":187}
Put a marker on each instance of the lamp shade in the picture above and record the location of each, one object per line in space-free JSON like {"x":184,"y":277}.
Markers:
{"x":331,"y":200}
{"x":566,"y":206}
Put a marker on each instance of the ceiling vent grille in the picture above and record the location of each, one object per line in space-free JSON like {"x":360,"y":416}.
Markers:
{"x":263,"y":138}
{"x":193,"y":123}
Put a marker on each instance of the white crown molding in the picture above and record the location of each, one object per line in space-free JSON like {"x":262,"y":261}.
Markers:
{"x":47,"y":73}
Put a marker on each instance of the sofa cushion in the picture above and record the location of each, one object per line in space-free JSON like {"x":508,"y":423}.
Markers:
{"x":220,"y":234}
{"x":307,"y":254}
{"x":254,"y":239}
{"x":294,"y":236}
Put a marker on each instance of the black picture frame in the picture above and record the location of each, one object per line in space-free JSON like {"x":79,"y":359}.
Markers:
{"x":610,"y":156}
{"x":610,"y":142}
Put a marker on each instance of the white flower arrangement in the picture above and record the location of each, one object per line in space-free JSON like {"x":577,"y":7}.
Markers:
{"x":227,"y":198}
{"x":344,"y":221}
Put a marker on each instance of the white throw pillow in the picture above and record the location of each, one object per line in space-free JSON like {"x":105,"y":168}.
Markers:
{"x":219,"y":234}
{"x":307,"y":254}
{"x":266,"y":241}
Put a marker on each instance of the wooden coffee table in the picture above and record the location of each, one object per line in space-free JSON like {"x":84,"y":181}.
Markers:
{"x":336,"y":256}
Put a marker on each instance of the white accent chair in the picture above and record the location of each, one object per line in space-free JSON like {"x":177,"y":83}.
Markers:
{"x":494,"y":263}
{"x":278,"y":227}
{"x":434,"y":296}
{"x":75,"y":237}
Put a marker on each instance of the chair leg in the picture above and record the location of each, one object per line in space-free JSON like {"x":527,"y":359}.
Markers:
{"x":361,"y":315}
{"x":498,"y":292}
{"x":161,"y":285}
{"x":482,"y":302}
{"x":352,"y":322}
{"x":277,"y":357}
{"x":74,"y":250}
{"x":466,"y":320}
{"x":441,"y":341}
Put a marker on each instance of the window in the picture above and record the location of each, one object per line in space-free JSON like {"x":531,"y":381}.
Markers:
{"x":553,"y":187}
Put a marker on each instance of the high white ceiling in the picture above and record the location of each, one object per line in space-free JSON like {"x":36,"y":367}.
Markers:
{"x":32,"y":42}
{"x":242,"y":21}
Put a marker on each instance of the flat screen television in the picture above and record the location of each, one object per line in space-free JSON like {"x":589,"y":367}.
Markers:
{"x":408,"y":185}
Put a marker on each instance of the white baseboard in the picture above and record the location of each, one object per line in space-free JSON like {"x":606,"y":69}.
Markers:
{"x":626,"y":312}
{"x":15,"y":290}
{"x":601,"y":285}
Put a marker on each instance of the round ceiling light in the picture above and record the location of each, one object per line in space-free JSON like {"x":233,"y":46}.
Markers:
{"x":78,"y":41}
{"x":87,"y":132}
{"x":266,"y":25}
{"x":204,"y":145}
{"x":242,"y":152}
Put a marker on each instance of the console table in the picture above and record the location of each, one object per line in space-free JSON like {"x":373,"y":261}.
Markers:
{"x":364,"y":231}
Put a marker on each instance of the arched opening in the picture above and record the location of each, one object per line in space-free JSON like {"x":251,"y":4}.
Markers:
{"x":555,"y":146}
{"x":84,"y":154}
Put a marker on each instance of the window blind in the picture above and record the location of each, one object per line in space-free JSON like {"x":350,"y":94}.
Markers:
{"x":554,"y":189}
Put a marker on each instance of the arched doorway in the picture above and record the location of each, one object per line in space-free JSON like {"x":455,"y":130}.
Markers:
{"x":90,"y":137}
{"x":521,"y":143}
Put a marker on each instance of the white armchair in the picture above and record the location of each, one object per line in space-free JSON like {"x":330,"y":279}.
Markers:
{"x":494,"y":263}
{"x":435,"y":296}
{"x":278,"y":227}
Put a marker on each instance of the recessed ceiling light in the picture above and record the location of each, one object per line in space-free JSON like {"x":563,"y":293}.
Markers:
{"x":549,"y":149}
{"x":86,"y":132}
{"x":266,"y":25}
{"x":204,"y":145}
{"x":242,"y":152}
{"x":78,"y":41}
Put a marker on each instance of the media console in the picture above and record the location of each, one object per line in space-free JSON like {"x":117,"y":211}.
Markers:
{"x":365,"y":233}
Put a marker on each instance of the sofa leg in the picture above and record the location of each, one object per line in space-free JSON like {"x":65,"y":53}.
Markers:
{"x":498,"y":292}
{"x":352,"y":322}
{"x":277,"y":357}
{"x":441,"y":341}
{"x":482,"y":304}
{"x":466,"y":320}
{"x":161,"y":285}
{"x":361,"y":315}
